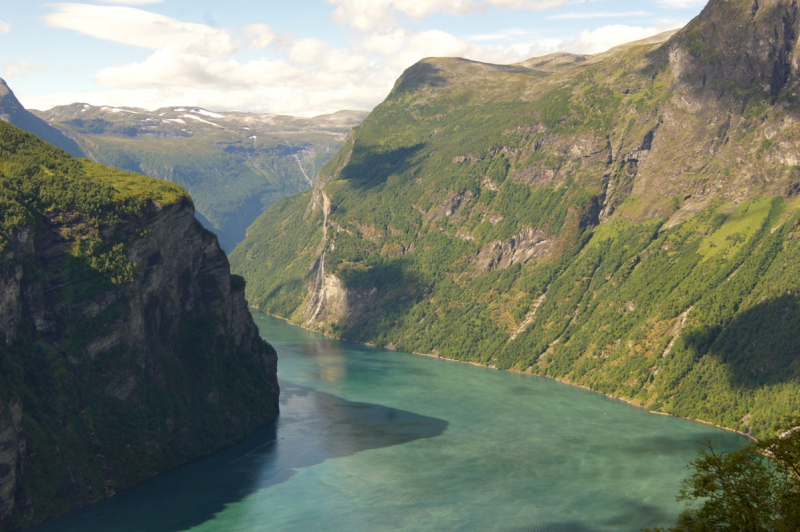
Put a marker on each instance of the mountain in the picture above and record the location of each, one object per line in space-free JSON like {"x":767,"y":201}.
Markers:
{"x":233,"y":164}
{"x":629,"y":222}
{"x":14,"y":113}
{"x":126,"y":346}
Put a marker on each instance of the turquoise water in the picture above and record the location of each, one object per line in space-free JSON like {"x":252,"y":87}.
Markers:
{"x":370,"y":439}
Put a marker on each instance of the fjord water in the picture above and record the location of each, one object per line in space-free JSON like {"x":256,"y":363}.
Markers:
{"x":370,"y":439}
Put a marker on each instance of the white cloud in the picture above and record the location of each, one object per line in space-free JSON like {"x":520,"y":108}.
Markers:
{"x":600,"y":14}
{"x":342,"y":61}
{"x":314,"y":78}
{"x":683,"y":4}
{"x":18,"y":69}
{"x":135,"y":27}
{"x":433,"y":43}
{"x":197,"y":65}
{"x":132,"y":2}
{"x":504,"y":35}
{"x":5,"y":27}
{"x":329,"y":93}
{"x":607,"y":37}
{"x":306,"y":51}
{"x":259,"y":36}
{"x":372,"y":15}
{"x":385,"y":44}
{"x":177,"y":66}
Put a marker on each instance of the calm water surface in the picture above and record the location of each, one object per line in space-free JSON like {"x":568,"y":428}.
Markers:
{"x":370,"y":439}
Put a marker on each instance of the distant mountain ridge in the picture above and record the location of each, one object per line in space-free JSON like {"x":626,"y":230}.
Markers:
{"x":12,"y":111}
{"x":628,"y":221}
{"x":233,"y":164}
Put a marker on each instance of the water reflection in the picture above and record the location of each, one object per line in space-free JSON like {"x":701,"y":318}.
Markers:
{"x":313,"y":427}
{"x":328,"y":357}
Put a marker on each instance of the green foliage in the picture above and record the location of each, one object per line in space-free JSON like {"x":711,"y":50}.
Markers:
{"x":753,"y":489}
{"x":39,"y":182}
{"x":267,"y":245}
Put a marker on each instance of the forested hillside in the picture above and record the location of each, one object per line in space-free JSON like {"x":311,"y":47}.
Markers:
{"x":628,"y":221}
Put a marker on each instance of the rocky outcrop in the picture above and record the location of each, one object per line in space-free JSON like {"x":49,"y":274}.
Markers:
{"x":752,"y":43}
{"x":530,"y":244}
{"x":120,"y":382}
{"x":329,"y":301}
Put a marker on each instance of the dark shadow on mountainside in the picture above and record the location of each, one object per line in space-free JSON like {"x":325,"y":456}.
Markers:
{"x":759,"y":345}
{"x":370,"y":166}
{"x":397,"y":290}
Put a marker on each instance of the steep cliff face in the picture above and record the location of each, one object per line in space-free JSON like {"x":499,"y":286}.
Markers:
{"x":117,"y":365}
{"x":626,"y":221}
{"x":751,"y":43}
{"x":12,"y":455}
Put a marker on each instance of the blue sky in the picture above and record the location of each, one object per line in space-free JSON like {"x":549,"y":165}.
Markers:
{"x":303,"y":57}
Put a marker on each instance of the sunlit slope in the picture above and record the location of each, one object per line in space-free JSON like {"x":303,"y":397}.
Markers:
{"x":627,"y":222}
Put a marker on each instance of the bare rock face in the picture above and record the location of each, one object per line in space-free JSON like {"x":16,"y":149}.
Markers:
{"x":752,"y":43}
{"x":121,"y":381}
{"x":528,"y":245}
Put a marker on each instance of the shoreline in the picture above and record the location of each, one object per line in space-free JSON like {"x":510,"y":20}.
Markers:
{"x":557,"y":379}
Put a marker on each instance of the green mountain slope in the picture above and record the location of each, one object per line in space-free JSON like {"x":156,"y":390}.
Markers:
{"x":233,"y":164}
{"x":628,"y":221}
{"x":14,"y":113}
{"x":126,"y":346}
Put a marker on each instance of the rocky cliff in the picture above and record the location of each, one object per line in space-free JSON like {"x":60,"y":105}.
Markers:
{"x":126,"y":346}
{"x":626,"y":221}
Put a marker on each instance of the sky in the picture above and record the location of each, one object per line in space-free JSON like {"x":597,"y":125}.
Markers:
{"x":294,"y":57}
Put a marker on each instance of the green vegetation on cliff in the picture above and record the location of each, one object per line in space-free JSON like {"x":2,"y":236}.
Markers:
{"x":629,"y":222}
{"x":126,"y":347}
{"x":38,"y":179}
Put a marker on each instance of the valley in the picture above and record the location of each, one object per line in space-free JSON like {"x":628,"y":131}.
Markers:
{"x":599,"y":236}
{"x":234,"y":165}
